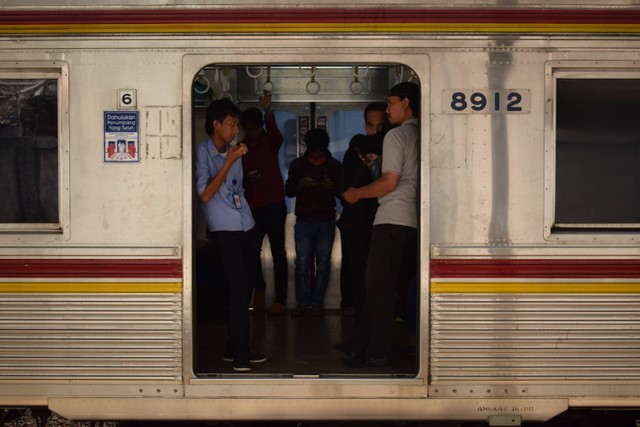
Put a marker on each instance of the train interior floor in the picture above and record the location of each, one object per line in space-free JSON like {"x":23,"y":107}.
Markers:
{"x":294,"y":345}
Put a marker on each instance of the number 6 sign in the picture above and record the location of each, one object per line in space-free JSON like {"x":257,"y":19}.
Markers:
{"x":127,"y":99}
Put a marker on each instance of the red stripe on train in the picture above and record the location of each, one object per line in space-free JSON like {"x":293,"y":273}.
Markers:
{"x":91,"y":268}
{"x":320,"y":15}
{"x":528,"y":268}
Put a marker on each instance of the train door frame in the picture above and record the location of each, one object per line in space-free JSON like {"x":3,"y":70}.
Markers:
{"x":419,"y":64}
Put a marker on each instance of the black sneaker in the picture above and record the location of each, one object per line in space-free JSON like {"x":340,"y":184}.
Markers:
{"x":253,"y":357}
{"x":241,"y":363}
{"x":368,"y":363}
{"x":257,"y":358}
{"x":344,"y":351}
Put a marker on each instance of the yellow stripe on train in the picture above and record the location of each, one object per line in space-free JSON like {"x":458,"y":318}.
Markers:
{"x":537,"y":288}
{"x":91,"y":287}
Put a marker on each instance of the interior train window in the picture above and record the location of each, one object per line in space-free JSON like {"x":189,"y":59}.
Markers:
{"x":30,"y":129}
{"x":287,"y":121}
{"x":597,"y":153}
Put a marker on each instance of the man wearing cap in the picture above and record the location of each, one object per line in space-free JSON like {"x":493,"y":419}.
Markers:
{"x":393,"y":247}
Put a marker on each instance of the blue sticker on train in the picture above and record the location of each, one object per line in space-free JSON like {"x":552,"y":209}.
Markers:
{"x":121,"y":136}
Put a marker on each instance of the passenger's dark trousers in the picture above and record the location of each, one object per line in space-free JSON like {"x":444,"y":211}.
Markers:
{"x":239,"y":260}
{"x":346,"y":293}
{"x":355,"y":250}
{"x":392,"y":258}
{"x":270,"y":221}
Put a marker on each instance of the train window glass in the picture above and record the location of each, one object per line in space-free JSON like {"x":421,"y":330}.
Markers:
{"x":597,"y":153}
{"x":29,"y":164}
{"x":287,"y":122}
{"x":344,"y":124}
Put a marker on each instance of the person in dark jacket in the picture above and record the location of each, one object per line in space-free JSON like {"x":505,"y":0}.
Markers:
{"x":394,"y":238}
{"x":314,"y":180}
{"x":356,"y":221}
{"x":264,"y":190}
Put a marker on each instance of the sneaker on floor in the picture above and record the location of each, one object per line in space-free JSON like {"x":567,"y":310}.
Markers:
{"x":258,"y":300}
{"x":368,"y":363}
{"x":345,"y":352}
{"x":257,"y":357}
{"x":241,"y":363}
{"x":277,"y":308}
{"x":317,"y":311}
{"x":251,"y":357}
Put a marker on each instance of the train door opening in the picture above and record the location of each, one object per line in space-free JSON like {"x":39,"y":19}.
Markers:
{"x":303,"y":97}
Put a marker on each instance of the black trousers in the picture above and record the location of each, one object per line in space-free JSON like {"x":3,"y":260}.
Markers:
{"x":392,"y":260}
{"x":355,"y":251}
{"x":239,"y":259}
{"x":270,"y":221}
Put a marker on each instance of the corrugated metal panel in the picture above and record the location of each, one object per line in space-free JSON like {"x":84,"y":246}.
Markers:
{"x":535,"y":336}
{"x":91,"y":336}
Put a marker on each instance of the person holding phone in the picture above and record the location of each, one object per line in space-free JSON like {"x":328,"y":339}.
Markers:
{"x":356,"y":221}
{"x":314,"y":180}
{"x":393,"y":250}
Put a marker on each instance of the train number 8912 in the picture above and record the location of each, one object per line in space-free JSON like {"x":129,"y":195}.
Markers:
{"x":486,"y":101}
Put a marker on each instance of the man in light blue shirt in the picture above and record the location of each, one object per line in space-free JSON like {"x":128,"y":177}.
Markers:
{"x":228,"y":217}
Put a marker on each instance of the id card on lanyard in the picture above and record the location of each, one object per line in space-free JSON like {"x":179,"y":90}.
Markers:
{"x":234,"y":189}
{"x":237,"y":201}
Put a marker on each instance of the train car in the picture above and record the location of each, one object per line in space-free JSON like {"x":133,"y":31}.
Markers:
{"x":529,"y":211}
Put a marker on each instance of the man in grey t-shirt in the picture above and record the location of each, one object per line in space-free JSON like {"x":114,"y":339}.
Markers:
{"x":394,"y":238}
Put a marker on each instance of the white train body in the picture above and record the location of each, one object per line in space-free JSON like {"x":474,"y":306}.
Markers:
{"x":521,"y":316}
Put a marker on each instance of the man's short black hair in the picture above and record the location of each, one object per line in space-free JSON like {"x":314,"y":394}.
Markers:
{"x":252,"y":115}
{"x":376,"y":106}
{"x":316,"y":139}
{"x":408,"y":90}
{"x":219,"y":110}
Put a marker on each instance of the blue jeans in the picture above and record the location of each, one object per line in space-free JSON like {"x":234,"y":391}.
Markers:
{"x":313,"y":238}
